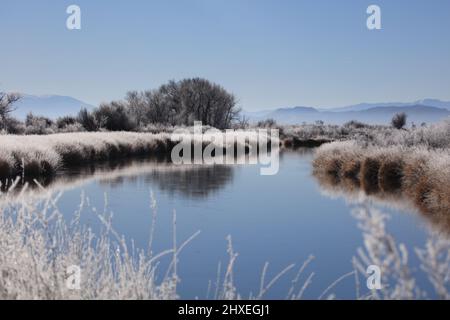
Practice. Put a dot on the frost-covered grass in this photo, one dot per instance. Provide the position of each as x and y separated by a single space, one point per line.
421 174
38 247
430 136
44 155
398 277
41 155
413 162
436 136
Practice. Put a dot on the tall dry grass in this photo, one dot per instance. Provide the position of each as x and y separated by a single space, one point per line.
422 174
38 247
44 155
398 277
35 155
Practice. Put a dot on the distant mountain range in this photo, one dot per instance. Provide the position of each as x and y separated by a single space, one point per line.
364 106
51 106
426 110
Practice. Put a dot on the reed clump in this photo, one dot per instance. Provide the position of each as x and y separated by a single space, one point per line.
369 174
421 174
338 164
391 175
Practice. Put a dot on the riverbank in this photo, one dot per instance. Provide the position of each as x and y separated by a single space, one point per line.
31 156
44 155
420 174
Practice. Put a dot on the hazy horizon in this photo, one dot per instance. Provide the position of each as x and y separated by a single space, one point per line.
44 95
270 54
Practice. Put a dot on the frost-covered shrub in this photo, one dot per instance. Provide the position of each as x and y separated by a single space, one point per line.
63 122
399 120
38 125
14 126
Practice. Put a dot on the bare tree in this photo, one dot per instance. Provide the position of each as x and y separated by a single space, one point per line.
7 101
137 106
242 122
87 120
183 102
207 102
114 116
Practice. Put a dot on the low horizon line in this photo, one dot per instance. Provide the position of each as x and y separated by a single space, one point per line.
44 95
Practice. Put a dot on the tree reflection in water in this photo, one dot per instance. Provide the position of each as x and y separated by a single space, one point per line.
351 191
191 181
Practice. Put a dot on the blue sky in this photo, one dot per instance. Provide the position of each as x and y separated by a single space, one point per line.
270 53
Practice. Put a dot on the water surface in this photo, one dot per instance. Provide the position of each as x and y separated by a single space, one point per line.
281 219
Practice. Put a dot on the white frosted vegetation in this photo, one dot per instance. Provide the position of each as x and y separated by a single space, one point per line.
45 154
415 163
37 246
36 155
431 136
398 277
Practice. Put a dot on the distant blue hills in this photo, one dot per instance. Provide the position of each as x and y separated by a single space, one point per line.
426 110
51 106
